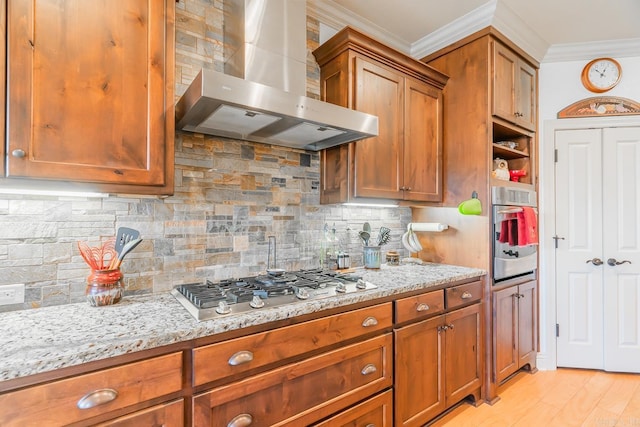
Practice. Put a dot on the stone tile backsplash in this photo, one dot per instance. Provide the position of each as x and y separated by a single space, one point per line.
229 197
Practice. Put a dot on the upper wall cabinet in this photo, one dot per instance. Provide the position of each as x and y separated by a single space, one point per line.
514 88
404 162
90 94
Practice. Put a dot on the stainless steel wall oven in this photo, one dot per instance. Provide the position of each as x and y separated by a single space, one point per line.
512 256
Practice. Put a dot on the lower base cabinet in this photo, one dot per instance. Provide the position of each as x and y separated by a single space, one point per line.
168 414
438 361
514 329
301 393
375 412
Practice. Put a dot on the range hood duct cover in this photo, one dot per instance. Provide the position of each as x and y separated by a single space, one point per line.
270 107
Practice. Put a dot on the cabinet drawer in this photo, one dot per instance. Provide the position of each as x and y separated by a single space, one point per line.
57 403
166 415
419 306
217 361
458 296
377 411
301 393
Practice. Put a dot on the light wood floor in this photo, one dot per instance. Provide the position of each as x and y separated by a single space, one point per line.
566 397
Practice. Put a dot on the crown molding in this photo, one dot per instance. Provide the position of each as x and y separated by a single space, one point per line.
517 30
589 50
462 27
494 13
337 17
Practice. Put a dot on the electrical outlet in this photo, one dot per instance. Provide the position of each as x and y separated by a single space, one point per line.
12 294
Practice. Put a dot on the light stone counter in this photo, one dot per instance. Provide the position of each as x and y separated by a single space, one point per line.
48 338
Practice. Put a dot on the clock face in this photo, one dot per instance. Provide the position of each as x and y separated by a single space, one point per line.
601 75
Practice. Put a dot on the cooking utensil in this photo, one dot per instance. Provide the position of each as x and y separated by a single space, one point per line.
366 227
365 236
384 236
124 236
98 257
128 247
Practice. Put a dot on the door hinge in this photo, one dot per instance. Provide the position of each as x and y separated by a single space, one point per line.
555 155
557 330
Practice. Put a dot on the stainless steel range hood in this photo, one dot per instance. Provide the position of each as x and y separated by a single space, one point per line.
260 96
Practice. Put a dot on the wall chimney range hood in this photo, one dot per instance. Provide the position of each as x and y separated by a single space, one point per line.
260 97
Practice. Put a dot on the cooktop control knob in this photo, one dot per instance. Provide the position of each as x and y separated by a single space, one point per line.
256 302
223 308
302 293
341 287
361 284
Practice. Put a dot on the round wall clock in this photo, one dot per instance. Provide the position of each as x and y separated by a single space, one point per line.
601 74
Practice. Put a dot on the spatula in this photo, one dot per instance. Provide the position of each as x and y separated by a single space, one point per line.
124 236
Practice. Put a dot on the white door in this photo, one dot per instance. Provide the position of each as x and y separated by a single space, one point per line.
579 223
621 198
598 214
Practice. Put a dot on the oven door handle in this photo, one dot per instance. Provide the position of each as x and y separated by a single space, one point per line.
510 211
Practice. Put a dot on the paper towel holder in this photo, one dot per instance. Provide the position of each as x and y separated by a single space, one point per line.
427 226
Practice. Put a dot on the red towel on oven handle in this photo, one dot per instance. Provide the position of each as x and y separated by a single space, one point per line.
527 226
509 232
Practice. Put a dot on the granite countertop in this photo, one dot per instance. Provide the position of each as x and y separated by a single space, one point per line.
48 338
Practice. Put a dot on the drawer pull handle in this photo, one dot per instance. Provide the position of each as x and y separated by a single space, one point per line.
370 425
466 295
96 398
241 420
422 307
240 358
370 321
369 369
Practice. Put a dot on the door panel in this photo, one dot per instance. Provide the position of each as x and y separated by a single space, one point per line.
621 160
379 160
579 221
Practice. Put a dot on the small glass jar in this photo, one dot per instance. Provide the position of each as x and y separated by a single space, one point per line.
104 287
393 258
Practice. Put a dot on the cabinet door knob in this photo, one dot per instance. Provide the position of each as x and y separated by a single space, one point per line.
450 326
422 307
241 420
241 357
19 153
370 321
369 369
96 398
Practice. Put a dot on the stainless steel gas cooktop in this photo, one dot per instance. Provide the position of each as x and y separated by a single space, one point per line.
209 300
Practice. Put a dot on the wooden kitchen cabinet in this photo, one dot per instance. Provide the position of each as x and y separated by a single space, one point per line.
165 415
374 412
101 393
90 95
404 162
514 88
438 361
218 361
515 332
301 393
493 91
